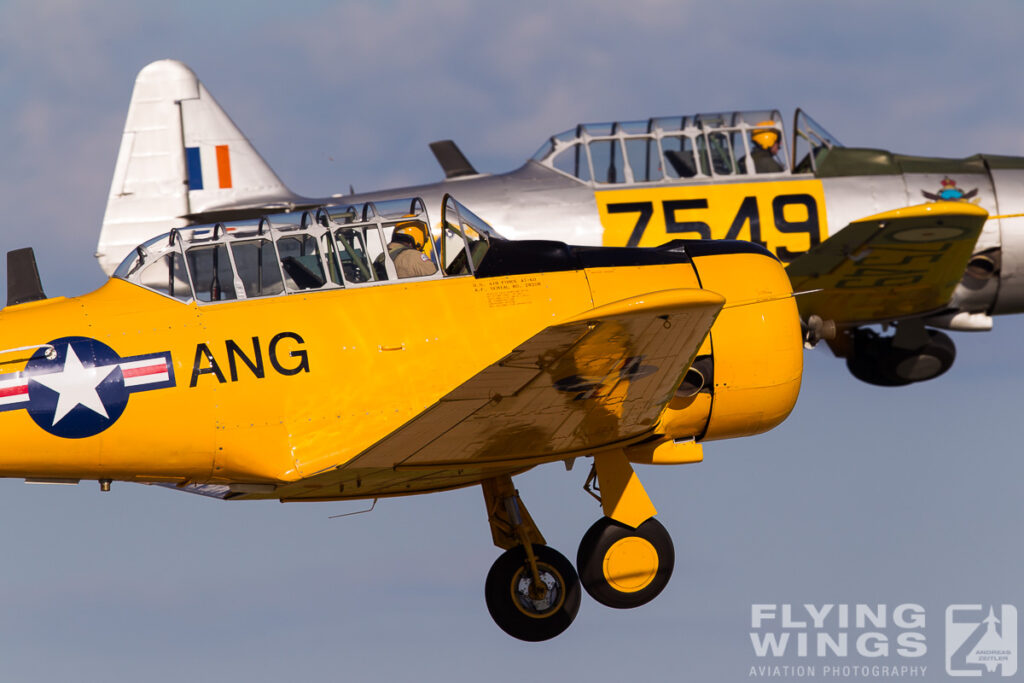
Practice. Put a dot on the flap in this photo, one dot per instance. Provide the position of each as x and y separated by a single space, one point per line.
896 264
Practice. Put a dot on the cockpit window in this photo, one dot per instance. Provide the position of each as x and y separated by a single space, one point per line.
465 238
477 234
738 143
567 135
702 154
547 148
679 161
355 265
257 265
811 142
633 127
666 149
410 248
300 261
454 245
573 160
332 257
375 252
212 276
331 248
669 123
644 159
763 136
606 155
598 129
167 275
721 154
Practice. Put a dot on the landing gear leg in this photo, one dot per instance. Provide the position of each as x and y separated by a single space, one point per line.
626 558
532 591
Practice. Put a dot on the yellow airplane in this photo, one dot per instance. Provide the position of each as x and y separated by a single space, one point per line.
922 243
344 353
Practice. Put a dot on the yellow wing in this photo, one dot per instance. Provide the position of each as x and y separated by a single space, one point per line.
600 379
893 265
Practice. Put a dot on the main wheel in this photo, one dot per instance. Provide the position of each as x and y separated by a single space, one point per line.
928 362
623 567
876 361
516 604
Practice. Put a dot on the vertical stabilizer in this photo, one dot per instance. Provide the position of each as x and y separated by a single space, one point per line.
180 155
23 284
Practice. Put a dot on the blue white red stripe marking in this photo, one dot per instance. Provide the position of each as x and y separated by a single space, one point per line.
150 372
218 157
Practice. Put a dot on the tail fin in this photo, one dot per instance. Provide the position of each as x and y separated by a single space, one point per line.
181 156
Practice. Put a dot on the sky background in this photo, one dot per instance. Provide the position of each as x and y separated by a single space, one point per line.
865 495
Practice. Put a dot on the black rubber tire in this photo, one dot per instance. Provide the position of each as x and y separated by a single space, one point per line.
938 354
511 609
871 360
600 538
874 359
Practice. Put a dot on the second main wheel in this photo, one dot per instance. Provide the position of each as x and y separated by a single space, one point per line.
871 359
874 359
928 362
528 611
622 567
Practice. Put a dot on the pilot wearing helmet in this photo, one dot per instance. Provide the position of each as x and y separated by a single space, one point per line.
765 145
406 250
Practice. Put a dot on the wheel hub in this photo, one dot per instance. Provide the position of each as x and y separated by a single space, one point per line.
630 564
537 601
918 368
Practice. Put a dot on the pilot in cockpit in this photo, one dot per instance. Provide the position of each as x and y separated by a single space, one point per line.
406 250
764 146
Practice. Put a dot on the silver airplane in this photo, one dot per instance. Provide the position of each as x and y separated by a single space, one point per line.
916 244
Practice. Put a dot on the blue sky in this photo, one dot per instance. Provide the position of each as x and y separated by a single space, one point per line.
863 495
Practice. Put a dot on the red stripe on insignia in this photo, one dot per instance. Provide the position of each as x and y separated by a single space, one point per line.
147 370
14 391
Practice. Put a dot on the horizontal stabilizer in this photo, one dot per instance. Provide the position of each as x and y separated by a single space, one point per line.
23 284
453 162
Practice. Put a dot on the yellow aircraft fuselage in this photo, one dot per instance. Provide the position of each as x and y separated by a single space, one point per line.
276 389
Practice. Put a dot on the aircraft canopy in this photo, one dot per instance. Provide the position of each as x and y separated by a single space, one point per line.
335 246
669 148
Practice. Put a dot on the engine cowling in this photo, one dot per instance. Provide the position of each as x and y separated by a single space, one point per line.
752 362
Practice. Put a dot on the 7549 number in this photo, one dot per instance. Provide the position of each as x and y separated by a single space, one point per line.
674 210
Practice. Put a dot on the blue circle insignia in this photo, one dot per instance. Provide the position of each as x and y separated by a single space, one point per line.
79 390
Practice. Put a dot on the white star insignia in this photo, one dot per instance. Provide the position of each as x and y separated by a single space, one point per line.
76 386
